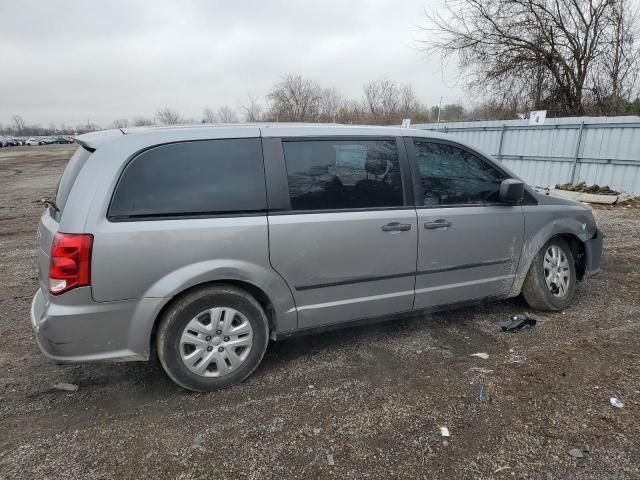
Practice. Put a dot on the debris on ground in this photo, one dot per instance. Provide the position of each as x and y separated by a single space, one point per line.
330 460
481 355
615 402
198 441
627 200
593 194
66 387
518 322
582 187
513 358
481 394
445 432
577 453
589 198
481 370
502 469
623 197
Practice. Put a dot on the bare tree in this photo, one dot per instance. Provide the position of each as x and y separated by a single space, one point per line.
295 99
142 122
208 116
616 77
452 113
545 51
494 109
353 111
408 101
18 124
330 105
382 99
252 109
167 116
372 98
120 123
226 114
88 126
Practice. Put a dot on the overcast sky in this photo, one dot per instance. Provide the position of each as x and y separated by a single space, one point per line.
73 61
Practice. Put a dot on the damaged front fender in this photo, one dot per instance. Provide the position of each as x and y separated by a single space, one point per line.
543 222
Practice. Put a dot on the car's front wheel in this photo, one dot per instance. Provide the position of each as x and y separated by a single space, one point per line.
212 338
551 281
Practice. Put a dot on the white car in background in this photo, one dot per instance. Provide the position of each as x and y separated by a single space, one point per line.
34 141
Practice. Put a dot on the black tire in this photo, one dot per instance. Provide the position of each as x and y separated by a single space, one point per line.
535 290
191 305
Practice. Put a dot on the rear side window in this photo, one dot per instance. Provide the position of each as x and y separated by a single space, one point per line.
453 176
343 174
192 178
76 162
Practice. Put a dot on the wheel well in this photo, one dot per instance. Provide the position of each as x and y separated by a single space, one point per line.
251 289
578 251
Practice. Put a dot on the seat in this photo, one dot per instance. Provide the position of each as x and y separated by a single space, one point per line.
376 191
322 190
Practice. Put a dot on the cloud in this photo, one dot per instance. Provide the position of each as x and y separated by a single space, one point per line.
74 61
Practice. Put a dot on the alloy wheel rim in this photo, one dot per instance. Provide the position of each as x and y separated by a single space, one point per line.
216 342
557 273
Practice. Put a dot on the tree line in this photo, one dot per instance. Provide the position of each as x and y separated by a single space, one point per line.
295 98
19 127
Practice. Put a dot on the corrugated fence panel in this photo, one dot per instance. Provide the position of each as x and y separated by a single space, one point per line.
608 149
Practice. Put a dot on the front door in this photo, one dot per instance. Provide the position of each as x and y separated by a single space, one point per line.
347 243
469 243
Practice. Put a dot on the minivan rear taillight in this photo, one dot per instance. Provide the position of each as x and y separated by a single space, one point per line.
70 265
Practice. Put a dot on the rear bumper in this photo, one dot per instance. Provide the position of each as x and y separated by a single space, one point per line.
76 330
593 254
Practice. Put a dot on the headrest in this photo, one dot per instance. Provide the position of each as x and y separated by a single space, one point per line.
376 163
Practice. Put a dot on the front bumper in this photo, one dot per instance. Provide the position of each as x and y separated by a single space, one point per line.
77 329
593 254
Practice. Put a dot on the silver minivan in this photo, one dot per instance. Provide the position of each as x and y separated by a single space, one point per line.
202 243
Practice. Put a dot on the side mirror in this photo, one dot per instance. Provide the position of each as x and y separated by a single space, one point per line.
511 191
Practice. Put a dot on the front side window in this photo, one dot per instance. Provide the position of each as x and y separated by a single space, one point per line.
451 175
343 174
193 178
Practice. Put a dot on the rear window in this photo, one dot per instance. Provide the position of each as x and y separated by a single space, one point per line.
192 178
69 176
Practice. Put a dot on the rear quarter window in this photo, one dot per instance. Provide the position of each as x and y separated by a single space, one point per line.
77 161
192 178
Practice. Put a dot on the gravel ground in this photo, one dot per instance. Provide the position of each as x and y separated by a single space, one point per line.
360 403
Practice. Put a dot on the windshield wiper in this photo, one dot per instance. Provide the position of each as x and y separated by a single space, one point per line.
49 203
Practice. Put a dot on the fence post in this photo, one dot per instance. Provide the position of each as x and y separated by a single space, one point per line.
577 154
504 128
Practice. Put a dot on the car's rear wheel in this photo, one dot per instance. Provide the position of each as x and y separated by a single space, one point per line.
551 281
212 338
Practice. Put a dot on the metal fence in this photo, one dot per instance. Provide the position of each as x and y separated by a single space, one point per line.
596 150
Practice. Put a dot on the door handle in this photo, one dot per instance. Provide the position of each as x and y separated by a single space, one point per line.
440 223
396 227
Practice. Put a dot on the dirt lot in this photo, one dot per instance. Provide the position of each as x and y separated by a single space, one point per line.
371 399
